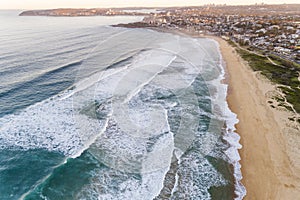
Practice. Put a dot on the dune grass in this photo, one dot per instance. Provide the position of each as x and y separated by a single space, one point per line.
286 73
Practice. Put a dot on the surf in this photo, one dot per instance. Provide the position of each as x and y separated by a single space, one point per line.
129 112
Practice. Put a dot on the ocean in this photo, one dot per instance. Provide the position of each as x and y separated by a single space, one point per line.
90 111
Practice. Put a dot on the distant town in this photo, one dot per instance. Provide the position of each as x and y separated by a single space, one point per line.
70 12
271 29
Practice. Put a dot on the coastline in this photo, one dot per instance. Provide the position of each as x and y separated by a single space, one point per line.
270 156
269 170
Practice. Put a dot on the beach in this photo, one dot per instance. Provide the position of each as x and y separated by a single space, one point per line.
270 153
92 111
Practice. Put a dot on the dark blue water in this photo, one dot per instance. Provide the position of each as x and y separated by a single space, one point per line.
39 56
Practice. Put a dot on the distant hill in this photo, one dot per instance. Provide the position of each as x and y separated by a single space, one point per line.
71 12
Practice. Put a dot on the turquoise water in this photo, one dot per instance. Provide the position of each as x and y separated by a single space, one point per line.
20 170
89 111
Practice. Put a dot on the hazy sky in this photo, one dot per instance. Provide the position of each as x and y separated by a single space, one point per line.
36 4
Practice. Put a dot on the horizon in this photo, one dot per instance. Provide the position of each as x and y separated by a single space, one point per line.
56 4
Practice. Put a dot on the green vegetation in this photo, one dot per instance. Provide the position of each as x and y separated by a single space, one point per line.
232 43
284 62
286 73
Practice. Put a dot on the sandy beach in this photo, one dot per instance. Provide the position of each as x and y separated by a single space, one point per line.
270 156
271 144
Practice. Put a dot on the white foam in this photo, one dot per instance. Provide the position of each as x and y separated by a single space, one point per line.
233 139
57 124
196 177
51 124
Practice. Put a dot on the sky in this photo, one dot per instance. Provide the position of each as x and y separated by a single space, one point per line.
44 4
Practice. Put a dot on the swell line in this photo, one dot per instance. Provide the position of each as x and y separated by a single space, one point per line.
44 76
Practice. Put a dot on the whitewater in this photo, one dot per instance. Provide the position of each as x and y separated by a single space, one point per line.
98 112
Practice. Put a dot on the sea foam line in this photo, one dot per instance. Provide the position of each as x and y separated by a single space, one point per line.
231 136
138 89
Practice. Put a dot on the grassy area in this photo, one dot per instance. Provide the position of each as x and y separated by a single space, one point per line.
285 73
284 62
232 43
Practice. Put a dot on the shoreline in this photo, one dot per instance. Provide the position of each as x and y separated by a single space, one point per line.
270 160
266 164
230 135
270 156
270 167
